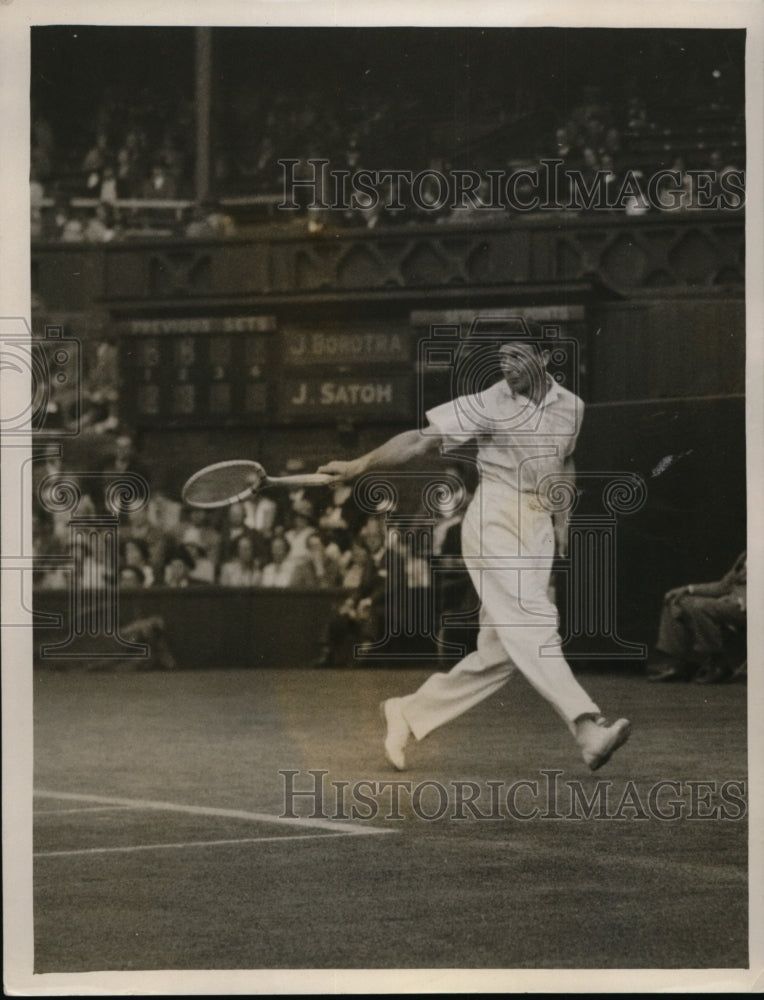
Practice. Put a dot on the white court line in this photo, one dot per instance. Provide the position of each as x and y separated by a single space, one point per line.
186 843
81 809
349 829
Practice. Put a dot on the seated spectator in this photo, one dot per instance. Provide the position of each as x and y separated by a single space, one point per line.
131 578
260 514
159 185
72 231
198 531
95 161
139 527
209 221
134 554
233 529
695 626
101 228
675 197
101 388
283 570
128 169
355 566
333 515
636 202
325 568
360 617
57 578
179 567
107 193
303 526
205 570
90 572
245 570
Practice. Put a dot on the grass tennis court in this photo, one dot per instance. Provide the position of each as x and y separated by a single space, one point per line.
160 841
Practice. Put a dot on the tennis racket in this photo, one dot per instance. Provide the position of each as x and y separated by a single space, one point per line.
226 483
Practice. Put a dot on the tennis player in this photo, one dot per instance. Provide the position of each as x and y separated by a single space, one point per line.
526 426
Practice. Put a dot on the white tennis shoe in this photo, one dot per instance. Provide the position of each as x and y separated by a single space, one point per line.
397 732
599 741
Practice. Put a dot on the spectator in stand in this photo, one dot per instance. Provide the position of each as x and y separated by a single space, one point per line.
590 166
339 510
163 512
88 567
158 542
134 554
95 162
101 227
303 527
73 231
159 185
205 570
611 180
209 221
260 514
245 570
675 197
234 528
107 192
325 569
101 387
124 460
359 618
131 578
283 570
179 567
130 165
47 543
354 566
637 203
198 531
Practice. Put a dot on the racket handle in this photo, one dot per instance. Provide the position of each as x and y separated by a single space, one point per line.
300 479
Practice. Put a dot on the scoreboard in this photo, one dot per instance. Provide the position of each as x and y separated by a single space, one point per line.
239 370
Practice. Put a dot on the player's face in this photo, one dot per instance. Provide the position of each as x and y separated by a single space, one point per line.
523 369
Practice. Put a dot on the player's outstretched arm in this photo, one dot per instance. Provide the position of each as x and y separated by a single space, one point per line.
397 451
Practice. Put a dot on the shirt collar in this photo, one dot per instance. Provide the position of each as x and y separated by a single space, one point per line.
553 392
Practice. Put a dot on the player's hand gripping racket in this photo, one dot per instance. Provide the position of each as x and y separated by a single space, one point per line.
226 483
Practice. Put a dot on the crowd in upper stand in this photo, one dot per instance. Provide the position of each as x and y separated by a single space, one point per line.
144 150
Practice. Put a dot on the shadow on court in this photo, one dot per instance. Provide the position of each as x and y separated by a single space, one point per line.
161 840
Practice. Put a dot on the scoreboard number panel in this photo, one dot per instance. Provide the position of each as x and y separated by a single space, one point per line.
196 372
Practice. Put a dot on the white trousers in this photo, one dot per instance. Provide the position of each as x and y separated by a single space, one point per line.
518 622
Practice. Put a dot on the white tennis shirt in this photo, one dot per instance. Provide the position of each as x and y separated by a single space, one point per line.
519 442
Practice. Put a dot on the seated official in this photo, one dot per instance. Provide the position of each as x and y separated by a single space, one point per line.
696 624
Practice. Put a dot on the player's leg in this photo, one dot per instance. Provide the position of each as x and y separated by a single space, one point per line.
444 696
517 602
